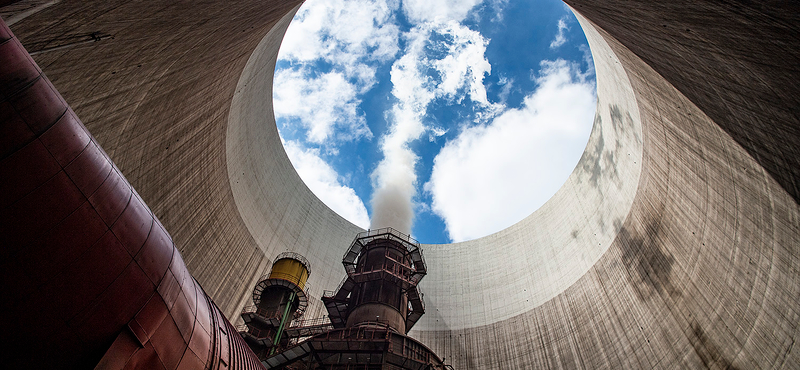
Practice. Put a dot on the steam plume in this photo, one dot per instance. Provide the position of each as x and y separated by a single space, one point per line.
417 80
395 178
391 207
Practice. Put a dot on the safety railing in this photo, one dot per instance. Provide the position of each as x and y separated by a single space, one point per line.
295 256
266 314
288 278
411 244
409 349
332 293
302 295
260 334
399 271
311 322
357 334
375 323
384 232
242 328
309 327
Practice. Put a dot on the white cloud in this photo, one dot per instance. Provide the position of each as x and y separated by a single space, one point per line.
464 64
435 132
560 37
507 85
325 183
342 32
421 11
418 78
326 106
497 7
491 176
351 36
587 59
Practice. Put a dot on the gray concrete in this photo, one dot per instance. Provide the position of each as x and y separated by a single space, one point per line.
20 10
673 244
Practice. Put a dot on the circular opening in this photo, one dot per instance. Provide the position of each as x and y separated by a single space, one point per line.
465 118
557 243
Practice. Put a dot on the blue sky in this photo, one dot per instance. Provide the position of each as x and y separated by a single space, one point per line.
450 119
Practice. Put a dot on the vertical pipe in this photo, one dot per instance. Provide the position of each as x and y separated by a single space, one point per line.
282 324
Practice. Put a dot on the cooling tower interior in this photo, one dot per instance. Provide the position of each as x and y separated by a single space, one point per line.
674 243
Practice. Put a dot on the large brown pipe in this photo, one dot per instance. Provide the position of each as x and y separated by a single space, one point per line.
88 275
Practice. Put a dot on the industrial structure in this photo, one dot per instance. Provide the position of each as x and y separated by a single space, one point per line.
383 268
369 314
675 243
278 299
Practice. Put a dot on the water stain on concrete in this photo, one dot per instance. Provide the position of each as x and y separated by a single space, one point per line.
648 265
708 351
599 160
590 160
623 123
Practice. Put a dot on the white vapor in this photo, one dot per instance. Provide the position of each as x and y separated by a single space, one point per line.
560 37
324 182
417 81
489 177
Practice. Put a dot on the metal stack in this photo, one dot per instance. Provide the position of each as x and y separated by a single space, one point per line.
278 298
370 312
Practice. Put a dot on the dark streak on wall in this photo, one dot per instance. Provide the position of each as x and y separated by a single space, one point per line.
648 265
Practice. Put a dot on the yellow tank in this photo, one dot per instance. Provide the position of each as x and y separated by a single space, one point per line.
290 270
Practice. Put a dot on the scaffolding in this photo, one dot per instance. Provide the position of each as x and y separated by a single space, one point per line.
370 347
369 313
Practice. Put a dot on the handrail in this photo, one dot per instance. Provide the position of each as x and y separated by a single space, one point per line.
262 312
258 290
387 230
388 233
294 256
403 272
358 333
310 322
242 327
265 277
332 293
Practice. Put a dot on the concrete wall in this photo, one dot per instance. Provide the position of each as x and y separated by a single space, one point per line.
157 97
701 273
507 273
682 254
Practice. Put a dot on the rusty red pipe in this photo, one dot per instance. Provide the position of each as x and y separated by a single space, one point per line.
88 275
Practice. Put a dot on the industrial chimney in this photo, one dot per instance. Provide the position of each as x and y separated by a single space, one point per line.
278 299
369 314
383 269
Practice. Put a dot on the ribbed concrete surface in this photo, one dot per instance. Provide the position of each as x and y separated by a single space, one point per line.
695 258
702 273
529 263
156 96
